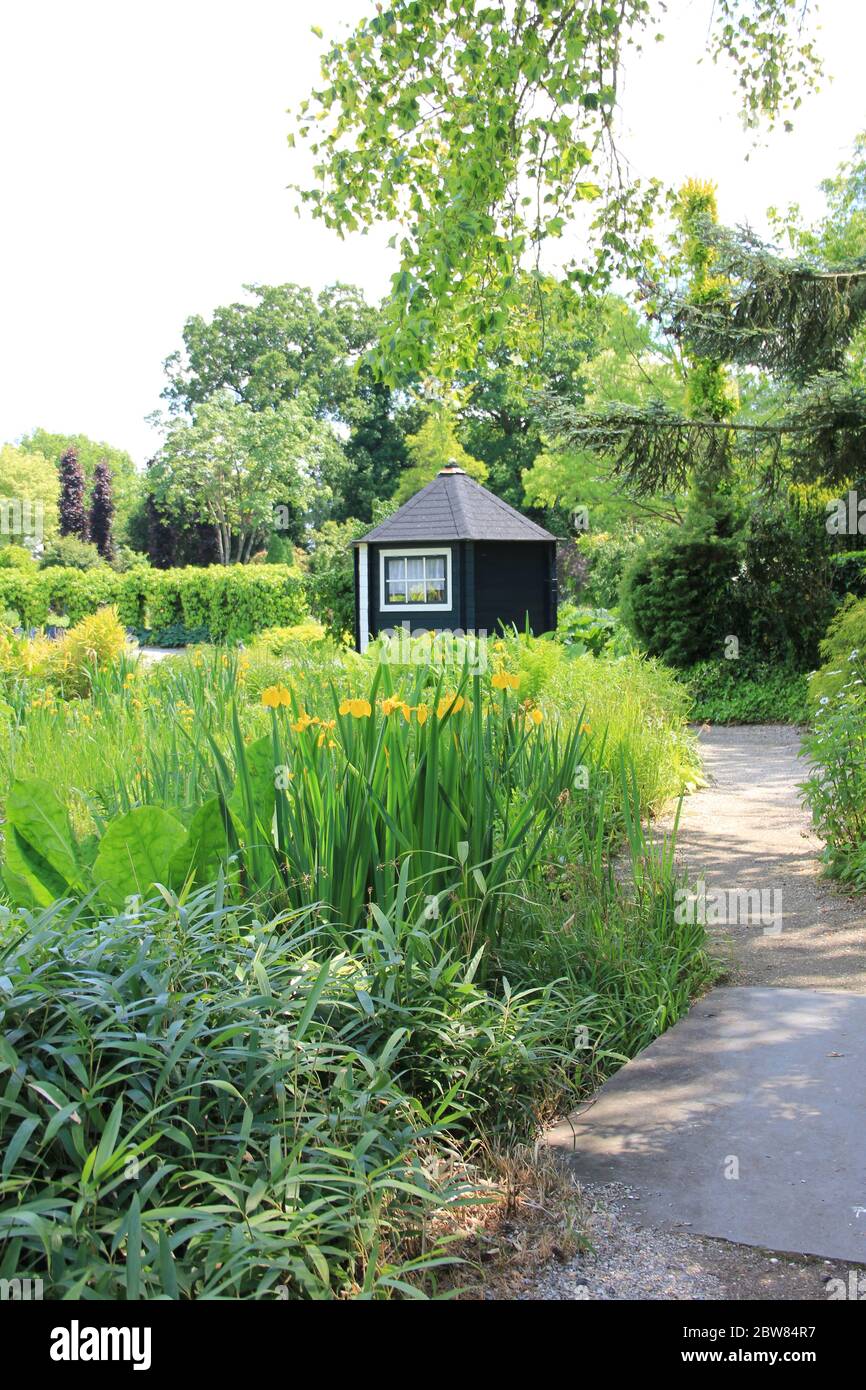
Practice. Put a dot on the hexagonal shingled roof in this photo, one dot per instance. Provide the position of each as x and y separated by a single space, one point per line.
455 508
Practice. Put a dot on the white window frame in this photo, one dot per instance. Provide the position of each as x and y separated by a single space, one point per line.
416 554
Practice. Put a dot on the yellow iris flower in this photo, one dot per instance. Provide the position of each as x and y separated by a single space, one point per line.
359 709
275 695
448 702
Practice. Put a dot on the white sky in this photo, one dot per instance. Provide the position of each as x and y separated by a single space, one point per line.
145 165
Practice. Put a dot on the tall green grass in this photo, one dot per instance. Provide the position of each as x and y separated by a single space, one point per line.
641 707
443 788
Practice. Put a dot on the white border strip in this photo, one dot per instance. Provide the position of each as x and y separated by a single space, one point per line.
363 600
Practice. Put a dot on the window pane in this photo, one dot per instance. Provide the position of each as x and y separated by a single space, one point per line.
436 579
415 578
395 580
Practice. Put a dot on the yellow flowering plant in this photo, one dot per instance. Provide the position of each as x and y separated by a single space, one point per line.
432 773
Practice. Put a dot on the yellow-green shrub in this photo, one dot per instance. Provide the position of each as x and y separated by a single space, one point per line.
23 658
93 644
281 640
639 709
846 634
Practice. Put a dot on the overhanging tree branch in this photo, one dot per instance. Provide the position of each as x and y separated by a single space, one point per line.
655 449
790 317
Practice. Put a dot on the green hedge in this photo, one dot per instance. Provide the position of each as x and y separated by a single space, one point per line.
231 601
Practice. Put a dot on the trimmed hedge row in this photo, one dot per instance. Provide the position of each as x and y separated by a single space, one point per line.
231 601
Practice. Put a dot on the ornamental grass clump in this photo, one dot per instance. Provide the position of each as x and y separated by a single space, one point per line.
835 789
229 1125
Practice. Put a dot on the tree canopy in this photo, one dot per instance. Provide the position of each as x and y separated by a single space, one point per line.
796 323
233 466
435 445
127 482
629 368
480 130
29 477
285 343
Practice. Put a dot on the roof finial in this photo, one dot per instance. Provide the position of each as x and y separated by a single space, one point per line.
451 467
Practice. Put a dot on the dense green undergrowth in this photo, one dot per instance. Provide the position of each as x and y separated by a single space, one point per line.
295 936
728 692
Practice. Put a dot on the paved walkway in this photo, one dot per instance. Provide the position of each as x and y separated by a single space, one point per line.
774 1102
150 655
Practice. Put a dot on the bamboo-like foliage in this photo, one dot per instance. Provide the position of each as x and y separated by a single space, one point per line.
224 1129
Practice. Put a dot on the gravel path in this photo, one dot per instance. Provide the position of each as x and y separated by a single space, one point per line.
628 1260
150 655
745 830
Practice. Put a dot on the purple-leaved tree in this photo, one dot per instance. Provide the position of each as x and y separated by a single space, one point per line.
73 516
102 510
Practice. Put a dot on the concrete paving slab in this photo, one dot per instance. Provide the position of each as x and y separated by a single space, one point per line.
769 1084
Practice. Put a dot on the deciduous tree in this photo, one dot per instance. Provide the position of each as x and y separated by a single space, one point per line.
73 514
243 471
102 511
482 129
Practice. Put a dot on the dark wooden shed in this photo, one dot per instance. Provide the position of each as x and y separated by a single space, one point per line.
454 557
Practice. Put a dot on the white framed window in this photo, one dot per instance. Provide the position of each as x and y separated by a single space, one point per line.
415 579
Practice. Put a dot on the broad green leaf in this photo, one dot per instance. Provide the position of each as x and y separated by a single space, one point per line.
29 877
39 816
259 759
135 853
205 847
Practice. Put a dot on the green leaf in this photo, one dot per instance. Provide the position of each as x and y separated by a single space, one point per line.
18 1143
133 1250
108 1138
166 1265
39 817
135 853
259 762
206 846
29 878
